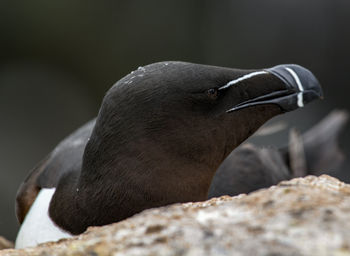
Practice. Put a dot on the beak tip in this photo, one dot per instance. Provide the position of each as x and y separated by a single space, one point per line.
299 79
299 87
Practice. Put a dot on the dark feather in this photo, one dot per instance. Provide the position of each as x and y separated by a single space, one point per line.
249 167
67 157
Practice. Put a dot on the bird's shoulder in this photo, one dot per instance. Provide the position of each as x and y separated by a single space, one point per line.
66 157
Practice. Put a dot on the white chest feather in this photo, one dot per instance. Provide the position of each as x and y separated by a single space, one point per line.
37 226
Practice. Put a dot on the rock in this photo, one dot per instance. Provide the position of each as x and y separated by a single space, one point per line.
4 243
303 216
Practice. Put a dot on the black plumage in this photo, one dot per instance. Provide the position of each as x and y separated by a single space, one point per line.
249 167
161 133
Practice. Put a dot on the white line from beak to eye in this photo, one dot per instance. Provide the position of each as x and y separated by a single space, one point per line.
247 76
300 86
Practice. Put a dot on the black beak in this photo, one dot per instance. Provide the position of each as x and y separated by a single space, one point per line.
301 87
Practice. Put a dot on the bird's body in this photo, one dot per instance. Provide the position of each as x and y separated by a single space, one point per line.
249 167
161 133
38 226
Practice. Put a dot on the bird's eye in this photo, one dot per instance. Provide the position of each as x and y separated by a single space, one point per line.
212 93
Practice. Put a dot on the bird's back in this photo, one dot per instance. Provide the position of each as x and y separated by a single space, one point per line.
66 157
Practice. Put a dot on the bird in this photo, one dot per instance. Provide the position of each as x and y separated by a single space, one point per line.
250 167
160 134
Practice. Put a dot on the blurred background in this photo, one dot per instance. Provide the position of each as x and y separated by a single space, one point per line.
58 58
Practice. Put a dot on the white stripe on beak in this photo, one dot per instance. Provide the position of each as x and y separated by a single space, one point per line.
247 76
300 86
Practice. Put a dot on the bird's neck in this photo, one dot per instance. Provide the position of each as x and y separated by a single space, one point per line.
108 190
147 170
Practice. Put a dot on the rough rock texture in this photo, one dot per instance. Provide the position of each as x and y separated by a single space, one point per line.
304 216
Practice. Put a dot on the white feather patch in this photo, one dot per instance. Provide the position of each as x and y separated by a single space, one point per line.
37 226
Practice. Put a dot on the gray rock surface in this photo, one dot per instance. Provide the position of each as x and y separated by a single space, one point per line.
303 216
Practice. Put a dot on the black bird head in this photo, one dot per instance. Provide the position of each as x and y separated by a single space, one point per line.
173 123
